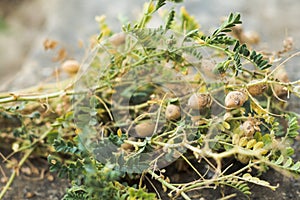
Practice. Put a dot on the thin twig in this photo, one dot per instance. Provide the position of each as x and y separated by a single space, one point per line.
168 185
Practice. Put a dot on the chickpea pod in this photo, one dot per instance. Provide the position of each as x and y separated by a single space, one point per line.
235 99
199 101
172 112
118 39
126 146
257 89
71 67
249 127
282 76
145 129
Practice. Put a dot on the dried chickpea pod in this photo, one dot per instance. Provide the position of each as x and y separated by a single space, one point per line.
199 101
71 67
256 89
288 44
118 39
145 129
198 120
235 99
252 37
126 146
282 76
172 112
249 127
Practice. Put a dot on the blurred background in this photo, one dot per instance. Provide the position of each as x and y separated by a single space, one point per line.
25 25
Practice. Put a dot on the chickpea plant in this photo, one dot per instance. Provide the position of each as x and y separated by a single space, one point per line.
148 99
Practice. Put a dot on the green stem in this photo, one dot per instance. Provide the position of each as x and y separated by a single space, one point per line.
16 97
146 15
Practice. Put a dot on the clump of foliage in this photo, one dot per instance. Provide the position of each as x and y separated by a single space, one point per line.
117 126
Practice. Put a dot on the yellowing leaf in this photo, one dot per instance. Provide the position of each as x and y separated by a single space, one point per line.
251 143
258 145
255 106
248 177
243 141
226 125
119 132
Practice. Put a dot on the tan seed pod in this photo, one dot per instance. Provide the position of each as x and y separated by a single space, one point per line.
126 146
235 99
249 128
257 89
172 112
118 39
145 129
288 44
252 37
199 101
71 67
282 76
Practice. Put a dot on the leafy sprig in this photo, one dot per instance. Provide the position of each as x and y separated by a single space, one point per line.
232 20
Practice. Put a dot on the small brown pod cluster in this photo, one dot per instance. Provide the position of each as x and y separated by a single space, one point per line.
127 146
71 67
256 89
172 112
199 101
145 129
282 76
235 99
250 127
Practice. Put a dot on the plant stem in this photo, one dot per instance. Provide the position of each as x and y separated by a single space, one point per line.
16 97
170 186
